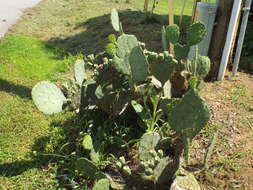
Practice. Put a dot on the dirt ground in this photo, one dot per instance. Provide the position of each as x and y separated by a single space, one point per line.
231 164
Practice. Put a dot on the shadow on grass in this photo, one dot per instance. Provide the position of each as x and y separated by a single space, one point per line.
93 37
15 89
40 156
18 167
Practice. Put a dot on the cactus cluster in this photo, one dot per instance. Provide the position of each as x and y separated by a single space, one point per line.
195 34
158 167
127 74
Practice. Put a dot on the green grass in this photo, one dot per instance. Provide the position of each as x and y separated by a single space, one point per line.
162 7
31 58
23 62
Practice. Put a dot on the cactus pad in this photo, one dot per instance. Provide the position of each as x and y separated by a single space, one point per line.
139 65
102 184
190 115
115 20
48 97
186 181
181 51
125 44
196 33
163 68
87 142
172 33
165 170
79 71
87 167
148 142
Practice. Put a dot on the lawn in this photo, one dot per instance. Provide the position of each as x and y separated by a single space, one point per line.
44 44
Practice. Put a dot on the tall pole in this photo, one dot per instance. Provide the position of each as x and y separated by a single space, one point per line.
171 20
146 5
245 18
194 10
229 40
219 35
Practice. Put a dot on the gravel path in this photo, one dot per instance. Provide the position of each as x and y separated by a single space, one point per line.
10 12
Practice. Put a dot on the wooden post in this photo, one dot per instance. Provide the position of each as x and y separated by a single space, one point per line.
171 19
229 41
194 10
219 35
182 12
146 5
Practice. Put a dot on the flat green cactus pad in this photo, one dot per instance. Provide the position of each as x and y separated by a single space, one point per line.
125 44
172 33
139 65
196 33
162 71
87 167
87 142
165 170
48 97
187 181
102 184
181 51
148 142
115 20
79 71
190 115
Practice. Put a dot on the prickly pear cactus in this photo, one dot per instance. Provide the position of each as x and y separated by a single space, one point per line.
86 167
190 115
102 184
115 20
181 51
79 71
48 97
147 143
138 64
196 33
172 33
